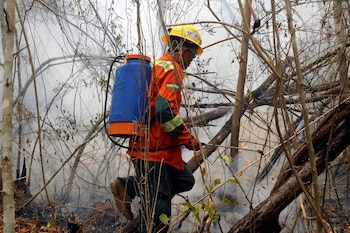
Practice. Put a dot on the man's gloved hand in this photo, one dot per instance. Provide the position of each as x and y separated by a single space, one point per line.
193 144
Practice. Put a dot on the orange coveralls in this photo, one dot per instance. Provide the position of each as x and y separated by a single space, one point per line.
168 132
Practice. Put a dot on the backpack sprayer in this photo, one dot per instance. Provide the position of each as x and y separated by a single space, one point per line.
129 105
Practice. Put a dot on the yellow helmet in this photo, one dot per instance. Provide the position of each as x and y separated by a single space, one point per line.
187 32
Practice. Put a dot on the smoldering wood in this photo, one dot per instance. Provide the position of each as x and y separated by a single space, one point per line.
330 138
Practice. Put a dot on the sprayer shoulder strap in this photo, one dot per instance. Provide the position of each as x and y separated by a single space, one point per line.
153 120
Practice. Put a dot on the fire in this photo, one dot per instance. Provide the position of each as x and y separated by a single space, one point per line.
248 161
221 150
243 146
340 155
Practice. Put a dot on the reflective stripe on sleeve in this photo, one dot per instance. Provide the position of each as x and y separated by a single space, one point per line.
167 65
172 124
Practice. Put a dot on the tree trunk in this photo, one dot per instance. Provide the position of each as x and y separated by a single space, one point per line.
243 61
8 28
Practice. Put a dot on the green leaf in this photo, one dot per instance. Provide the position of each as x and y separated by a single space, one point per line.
214 183
186 207
196 215
227 158
164 219
226 201
233 180
215 216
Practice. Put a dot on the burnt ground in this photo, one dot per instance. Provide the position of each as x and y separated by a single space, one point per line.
336 201
98 219
102 216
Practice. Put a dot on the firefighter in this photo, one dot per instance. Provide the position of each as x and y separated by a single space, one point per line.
160 171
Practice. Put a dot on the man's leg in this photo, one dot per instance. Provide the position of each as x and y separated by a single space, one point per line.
181 180
163 206
171 182
155 193
123 190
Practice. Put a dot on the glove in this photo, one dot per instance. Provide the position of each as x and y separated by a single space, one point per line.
193 144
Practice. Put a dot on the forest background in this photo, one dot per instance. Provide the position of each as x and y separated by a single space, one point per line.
269 97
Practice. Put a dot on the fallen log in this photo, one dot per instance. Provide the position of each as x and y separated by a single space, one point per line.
331 138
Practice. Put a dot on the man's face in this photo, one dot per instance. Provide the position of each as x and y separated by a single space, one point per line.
187 56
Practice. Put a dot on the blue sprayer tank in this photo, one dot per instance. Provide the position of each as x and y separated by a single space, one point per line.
128 112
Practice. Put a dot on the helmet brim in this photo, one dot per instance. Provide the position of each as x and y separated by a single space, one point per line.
199 48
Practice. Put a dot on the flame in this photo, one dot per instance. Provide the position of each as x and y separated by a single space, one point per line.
341 154
248 161
243 146
273 181
221 150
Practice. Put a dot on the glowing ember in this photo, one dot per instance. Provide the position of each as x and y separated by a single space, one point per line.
221 150
248 161
243 146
